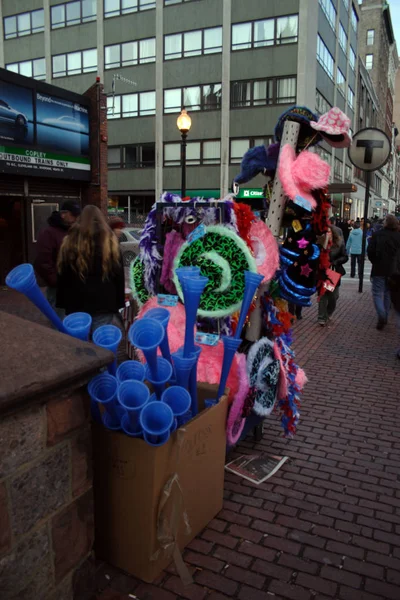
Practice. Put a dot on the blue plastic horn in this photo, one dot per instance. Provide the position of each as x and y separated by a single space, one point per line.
183 367
156 420
252 282
187 272
178 399
162 315
147 335
133 396
130 369
108 337
78 325
230 347
164 373
103 390
22 279
192 288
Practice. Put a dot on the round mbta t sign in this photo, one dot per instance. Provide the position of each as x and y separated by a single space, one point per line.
370 149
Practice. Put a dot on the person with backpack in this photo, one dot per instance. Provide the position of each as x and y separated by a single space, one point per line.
354 249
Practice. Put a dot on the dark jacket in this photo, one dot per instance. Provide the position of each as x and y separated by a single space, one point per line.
383 250
338 257
48 246
93 295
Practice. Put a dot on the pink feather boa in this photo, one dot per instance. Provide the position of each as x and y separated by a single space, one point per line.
265 250
235 423
302 174
210 361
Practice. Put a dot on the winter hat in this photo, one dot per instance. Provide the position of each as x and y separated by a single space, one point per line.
256 160
334 127
304 116
299 175
72 207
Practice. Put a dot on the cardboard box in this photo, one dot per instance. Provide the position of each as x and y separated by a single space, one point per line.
129 479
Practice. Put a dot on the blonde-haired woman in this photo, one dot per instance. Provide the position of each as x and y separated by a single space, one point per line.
90 270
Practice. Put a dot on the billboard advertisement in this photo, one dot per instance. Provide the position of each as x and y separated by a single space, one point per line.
44 130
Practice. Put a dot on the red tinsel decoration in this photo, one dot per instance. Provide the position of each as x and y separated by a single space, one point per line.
244 218
320 221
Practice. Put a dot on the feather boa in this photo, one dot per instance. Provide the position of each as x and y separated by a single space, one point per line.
265 249
236 422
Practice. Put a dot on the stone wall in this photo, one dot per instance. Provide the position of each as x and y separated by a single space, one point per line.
46 503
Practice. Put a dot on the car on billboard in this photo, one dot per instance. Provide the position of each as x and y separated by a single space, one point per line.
8 114
66 122
129 242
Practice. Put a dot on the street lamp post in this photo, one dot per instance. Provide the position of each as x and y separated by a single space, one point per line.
184 123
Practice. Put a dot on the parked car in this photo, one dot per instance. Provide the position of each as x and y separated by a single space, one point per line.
129 242
66 122
10 115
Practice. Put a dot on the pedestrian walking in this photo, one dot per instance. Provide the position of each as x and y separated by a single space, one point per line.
48 247
338 258
90 271
383 251
354 249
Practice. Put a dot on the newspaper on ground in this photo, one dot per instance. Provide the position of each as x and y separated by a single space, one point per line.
256 468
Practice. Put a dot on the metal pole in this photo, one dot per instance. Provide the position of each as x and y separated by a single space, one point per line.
129 209
183 164
364 238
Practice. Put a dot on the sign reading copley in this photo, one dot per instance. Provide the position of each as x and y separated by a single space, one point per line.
369 151
44 131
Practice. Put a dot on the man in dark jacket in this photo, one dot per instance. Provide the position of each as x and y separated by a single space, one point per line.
383 251
49 243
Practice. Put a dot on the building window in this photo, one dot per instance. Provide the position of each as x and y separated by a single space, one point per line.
24 24
378 184
346 4
370 37
73 13
115 8
352 59
205 152
268 32
263 92
348 172
123 106
340 82
130 53
193 43
350 98
326 156
75 63
354 19
198 97
342 38
321 104
238 147
29 68
330 12
325 58
369 61
136 156
337 169
168 2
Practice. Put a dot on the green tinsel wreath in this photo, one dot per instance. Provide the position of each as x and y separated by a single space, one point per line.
139 291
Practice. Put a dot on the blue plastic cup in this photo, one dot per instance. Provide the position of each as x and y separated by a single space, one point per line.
103 390
23 280
231 345
187 272
156 420
179 400
164 373
78 325
183 367
108 337
252 282
130 369
192 288
193 382
162 315
147 335
132 396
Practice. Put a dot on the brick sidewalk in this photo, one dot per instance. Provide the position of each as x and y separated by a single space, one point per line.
327 525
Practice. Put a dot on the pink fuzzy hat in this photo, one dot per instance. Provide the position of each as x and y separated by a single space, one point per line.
302 174
265 249
334 127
